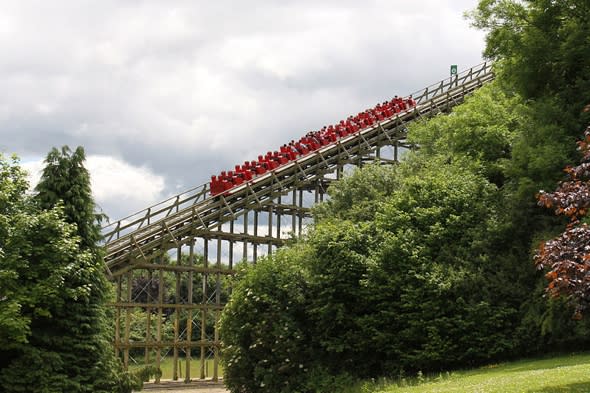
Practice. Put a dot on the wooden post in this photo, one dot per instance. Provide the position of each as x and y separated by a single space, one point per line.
189 319
148 327
294 213
300 213
231 246
217 306
127 322
245 250
316 192
204 309
118 319
255 245
279 219
270 226
159 324
176 315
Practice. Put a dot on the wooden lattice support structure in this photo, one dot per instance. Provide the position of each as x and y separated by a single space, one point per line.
215 233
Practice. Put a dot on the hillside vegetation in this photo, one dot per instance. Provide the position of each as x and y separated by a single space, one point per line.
427 266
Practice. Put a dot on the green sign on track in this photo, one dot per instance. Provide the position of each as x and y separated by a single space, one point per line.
453 69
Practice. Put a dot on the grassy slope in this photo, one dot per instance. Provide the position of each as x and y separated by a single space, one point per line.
569 373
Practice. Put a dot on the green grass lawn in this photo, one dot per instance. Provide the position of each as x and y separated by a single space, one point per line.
570 373
166 367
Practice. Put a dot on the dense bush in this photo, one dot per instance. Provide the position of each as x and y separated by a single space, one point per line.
265 328
434 272
341 297
427 265
413 289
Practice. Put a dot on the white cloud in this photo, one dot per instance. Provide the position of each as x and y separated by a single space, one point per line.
34 169
116 185
190 88
115 181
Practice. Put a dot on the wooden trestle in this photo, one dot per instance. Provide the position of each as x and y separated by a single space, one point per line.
215 233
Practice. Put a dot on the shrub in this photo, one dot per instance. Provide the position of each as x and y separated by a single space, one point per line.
265 328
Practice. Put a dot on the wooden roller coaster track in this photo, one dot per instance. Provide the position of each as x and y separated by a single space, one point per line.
229 227
144 234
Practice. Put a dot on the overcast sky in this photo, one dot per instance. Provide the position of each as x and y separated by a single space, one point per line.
163 94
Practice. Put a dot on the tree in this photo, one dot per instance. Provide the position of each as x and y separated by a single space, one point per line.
340 297
541 52
437 281
265 329
14 324
482 129
65 180
56 265
567 256
356 196
542 45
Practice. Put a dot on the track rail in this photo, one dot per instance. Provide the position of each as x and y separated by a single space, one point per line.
146 233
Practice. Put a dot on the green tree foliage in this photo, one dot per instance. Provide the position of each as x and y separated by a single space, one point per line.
59 286
14 326
426 265
413 288
65 180
340 296
543 45
531 148
482 130
435 280
356 196
542 52
265 329
38 252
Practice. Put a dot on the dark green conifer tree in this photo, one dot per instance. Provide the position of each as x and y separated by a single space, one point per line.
69 345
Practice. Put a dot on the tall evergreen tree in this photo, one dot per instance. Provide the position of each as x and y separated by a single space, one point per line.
69 345
65 180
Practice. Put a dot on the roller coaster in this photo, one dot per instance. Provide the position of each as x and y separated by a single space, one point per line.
199 235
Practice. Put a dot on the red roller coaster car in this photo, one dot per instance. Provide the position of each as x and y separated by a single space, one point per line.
313 140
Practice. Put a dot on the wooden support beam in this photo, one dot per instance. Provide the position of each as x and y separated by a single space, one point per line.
255 249
159 322
189 319
176 315
189 268
148 321
118 319
169 306
203 346
127 321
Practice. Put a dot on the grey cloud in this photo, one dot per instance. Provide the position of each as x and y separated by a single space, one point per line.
189 88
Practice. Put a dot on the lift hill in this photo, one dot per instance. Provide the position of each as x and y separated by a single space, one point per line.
143 234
